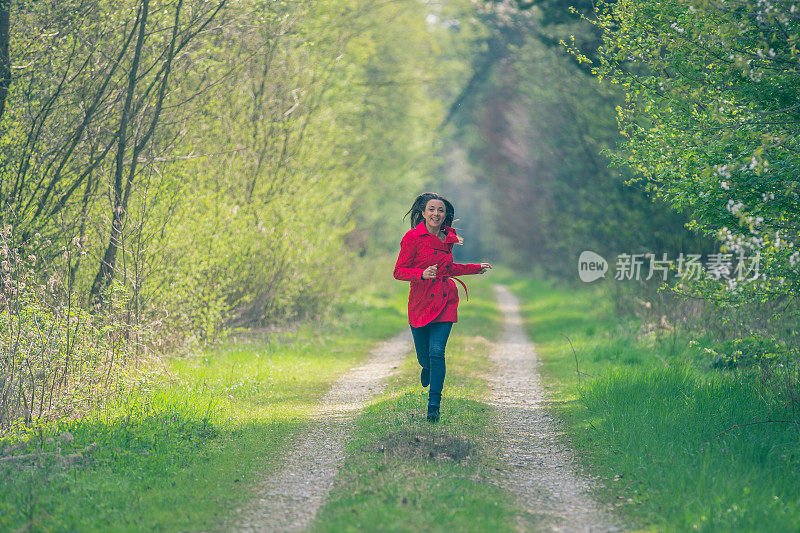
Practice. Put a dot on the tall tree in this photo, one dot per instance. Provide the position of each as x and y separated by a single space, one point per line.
5 56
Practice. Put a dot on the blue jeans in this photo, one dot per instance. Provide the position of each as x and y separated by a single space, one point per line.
429 342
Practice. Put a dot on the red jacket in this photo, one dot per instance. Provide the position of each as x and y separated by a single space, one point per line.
431 300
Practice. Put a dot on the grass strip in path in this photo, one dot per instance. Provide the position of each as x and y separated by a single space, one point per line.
403 473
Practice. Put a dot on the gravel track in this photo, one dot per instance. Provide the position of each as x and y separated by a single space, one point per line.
540 468
289 499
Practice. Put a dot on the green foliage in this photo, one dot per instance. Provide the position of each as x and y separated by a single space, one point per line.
219 163
56 359
747 351
710 123
535 127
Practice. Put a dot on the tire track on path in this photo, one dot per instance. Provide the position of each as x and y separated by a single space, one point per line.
288 500
541 470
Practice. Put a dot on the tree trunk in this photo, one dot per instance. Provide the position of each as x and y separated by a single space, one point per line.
105 273
5 57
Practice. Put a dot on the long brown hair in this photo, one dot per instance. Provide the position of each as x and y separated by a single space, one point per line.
419 206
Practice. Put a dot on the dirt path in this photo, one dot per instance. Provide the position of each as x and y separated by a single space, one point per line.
541 470
289 499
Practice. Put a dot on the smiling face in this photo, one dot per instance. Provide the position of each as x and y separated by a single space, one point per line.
434 214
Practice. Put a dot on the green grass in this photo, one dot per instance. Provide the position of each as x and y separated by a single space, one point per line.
181 452
648 416
648 412
405 474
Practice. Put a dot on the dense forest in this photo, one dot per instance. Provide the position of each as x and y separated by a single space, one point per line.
201 202
170 169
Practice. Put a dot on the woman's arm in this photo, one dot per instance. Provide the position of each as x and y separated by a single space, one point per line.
461 269
403 269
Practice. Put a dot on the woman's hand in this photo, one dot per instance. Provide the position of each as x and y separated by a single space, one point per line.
484 268
430 272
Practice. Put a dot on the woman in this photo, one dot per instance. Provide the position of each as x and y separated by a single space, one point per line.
426 260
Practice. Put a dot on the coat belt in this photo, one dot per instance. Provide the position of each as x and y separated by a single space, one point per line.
466 293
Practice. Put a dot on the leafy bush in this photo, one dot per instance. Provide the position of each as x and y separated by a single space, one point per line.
711 125
55 358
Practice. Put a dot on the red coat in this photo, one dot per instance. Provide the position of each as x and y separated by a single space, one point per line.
431 300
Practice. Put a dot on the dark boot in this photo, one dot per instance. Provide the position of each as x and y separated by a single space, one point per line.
425 376
433 413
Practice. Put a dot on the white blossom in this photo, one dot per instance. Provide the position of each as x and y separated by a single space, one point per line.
734 206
